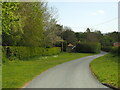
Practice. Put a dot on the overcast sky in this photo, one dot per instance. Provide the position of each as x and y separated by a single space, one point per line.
101 16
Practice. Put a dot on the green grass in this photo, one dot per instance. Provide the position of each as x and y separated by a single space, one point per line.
0 68
105 69
17 73
0 76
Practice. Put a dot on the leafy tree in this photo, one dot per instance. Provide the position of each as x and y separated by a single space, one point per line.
107 41
11 23
33 28
92 37
52 29
69 36
81 37
115 35
88 30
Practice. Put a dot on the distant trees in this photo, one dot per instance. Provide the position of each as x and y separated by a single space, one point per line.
69 36
114 35
106 40
88 30
88 36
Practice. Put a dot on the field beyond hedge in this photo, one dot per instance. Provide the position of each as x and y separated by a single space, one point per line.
17 72
105 69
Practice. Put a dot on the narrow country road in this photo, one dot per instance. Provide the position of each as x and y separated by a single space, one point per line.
72 74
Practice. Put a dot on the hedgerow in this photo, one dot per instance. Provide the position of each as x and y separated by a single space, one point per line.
88 47
22 52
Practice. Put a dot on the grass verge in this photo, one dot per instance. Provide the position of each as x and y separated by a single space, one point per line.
105 68
16 73
0 76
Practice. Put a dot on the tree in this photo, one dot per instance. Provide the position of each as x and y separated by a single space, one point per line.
69 36
115 35
92 37
33 20
11 23
107 41
29 24
52 30
81 36
88 30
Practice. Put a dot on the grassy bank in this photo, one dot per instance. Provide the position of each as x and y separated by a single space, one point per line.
17 73
0 76
105 69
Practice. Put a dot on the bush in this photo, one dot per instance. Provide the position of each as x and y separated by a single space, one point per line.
21 52
106 48
115 50
88 47
51 51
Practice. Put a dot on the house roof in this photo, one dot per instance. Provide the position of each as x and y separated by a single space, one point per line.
70 45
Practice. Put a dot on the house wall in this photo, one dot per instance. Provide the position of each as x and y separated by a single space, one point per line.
116 44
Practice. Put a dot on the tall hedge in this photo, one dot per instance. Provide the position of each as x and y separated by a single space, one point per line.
21 52
88 47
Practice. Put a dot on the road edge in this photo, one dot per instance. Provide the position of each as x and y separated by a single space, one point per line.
95 76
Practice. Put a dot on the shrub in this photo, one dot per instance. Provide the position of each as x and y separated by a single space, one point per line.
21 52
51 51
88 47
106 48
115 50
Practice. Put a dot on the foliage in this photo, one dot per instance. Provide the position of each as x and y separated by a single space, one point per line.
105 69
31 13
80 36
88 30
69 36
11 23
51 51
20 52
88 47
53 35
107 41
106 48
114 35
89 36
52 30
29 24
115 50
63 45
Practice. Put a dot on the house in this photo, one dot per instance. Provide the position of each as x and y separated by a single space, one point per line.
116 44
69 47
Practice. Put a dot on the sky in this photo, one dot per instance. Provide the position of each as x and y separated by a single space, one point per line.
101 16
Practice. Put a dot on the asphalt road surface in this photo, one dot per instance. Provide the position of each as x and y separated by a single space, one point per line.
72 74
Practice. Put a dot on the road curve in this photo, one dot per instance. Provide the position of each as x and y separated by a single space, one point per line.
72 74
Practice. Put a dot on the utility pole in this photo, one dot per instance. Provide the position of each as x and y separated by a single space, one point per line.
62 39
